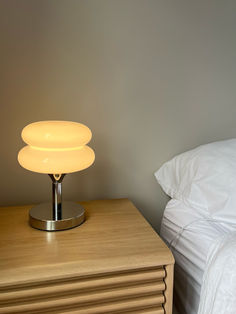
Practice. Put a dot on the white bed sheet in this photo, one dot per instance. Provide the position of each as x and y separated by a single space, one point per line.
190 235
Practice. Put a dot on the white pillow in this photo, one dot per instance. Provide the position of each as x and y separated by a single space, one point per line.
205 178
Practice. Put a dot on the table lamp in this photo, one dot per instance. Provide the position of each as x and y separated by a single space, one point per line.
56 148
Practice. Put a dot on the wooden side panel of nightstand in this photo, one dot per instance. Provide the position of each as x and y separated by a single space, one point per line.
169 278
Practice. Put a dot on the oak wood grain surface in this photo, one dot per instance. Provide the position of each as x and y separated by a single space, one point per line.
114 237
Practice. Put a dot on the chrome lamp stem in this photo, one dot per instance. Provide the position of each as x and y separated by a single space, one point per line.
57 195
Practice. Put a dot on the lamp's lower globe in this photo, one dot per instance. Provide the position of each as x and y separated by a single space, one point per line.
41 216
56 161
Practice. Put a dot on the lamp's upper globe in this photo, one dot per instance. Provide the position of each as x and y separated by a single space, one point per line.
56 147
56 134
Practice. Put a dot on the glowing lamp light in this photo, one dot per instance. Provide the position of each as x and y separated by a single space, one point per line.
56 148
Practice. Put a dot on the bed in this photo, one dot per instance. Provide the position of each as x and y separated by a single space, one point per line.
199 225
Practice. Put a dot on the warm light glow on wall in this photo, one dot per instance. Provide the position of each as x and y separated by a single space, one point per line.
56 147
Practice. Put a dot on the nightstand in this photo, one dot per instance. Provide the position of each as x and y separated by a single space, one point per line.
113 263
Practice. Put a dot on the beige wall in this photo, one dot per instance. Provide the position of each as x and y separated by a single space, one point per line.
151 78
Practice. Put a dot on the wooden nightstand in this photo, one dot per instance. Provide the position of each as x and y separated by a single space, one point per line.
113 263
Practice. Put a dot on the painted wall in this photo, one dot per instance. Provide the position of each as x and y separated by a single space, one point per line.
151 78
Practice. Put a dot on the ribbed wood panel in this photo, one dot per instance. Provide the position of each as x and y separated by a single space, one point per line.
156 310
73 285
118 293
152 310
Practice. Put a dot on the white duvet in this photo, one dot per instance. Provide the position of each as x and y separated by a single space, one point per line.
218 292
205 256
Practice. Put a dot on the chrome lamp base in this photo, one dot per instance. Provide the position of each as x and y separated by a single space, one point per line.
42 216
57 215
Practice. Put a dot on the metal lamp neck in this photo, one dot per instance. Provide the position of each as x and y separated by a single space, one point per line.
57 177
57 195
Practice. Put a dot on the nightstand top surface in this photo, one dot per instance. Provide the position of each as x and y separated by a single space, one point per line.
114 237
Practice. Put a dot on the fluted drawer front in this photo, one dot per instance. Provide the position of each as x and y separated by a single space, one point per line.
75 286
147 310
117 292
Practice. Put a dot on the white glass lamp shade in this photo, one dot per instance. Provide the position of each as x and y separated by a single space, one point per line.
56 147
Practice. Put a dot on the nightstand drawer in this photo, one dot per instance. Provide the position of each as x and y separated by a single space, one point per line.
127 291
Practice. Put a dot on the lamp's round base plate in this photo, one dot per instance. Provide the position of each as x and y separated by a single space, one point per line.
41 217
